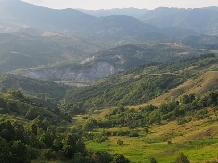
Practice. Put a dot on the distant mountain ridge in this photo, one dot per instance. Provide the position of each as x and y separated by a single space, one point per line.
201 20
134 12
15 13
111 29
18 13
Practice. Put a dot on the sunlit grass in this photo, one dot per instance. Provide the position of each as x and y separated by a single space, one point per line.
190 138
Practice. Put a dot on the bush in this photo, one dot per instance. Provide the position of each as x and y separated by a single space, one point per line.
4 111
133 134
120 159
33 152
182 159
123 133
152 160
101 157
49 154
119 142
99 138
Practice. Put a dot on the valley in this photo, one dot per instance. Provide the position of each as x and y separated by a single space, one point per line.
108 86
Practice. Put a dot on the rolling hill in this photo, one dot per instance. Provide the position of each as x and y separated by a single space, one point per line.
44 92
155 81
108 62
199 85
21 50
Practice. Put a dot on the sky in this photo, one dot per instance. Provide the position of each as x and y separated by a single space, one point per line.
108 4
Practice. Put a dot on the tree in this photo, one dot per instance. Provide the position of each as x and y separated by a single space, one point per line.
88 125
186 99
80 146
3 104
69 147
19 152
182 159
7 131
4 151
31 114
79 158
47 139
120 159
153 160
19 132
101 157
69 150
49 154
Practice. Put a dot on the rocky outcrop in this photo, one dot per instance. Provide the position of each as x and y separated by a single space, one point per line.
87 74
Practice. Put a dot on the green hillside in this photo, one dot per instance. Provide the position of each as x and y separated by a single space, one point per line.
31 133
133 55
91 122
42 92
19 50
180 120
140 84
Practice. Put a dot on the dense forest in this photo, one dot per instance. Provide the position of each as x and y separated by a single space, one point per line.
34 132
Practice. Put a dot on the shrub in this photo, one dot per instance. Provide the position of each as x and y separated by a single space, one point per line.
152 160
133 134
49 154
123 133
119 142
182 159
99 138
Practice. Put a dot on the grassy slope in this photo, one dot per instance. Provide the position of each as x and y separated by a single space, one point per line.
197 139
143 83
200 85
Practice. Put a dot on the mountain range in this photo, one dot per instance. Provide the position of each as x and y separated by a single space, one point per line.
111 61
134 12
149 77
17 15
61 44
201 20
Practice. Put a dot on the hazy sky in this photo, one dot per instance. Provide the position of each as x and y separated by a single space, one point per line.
107 4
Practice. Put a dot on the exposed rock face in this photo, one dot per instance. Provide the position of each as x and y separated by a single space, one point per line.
86 71
97 71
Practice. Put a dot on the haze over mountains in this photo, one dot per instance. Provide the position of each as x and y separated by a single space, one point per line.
149 77
70 37
134 12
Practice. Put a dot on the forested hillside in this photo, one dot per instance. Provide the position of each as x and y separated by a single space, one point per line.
29 132
140 84
149 77
20 50
42 92
111 61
